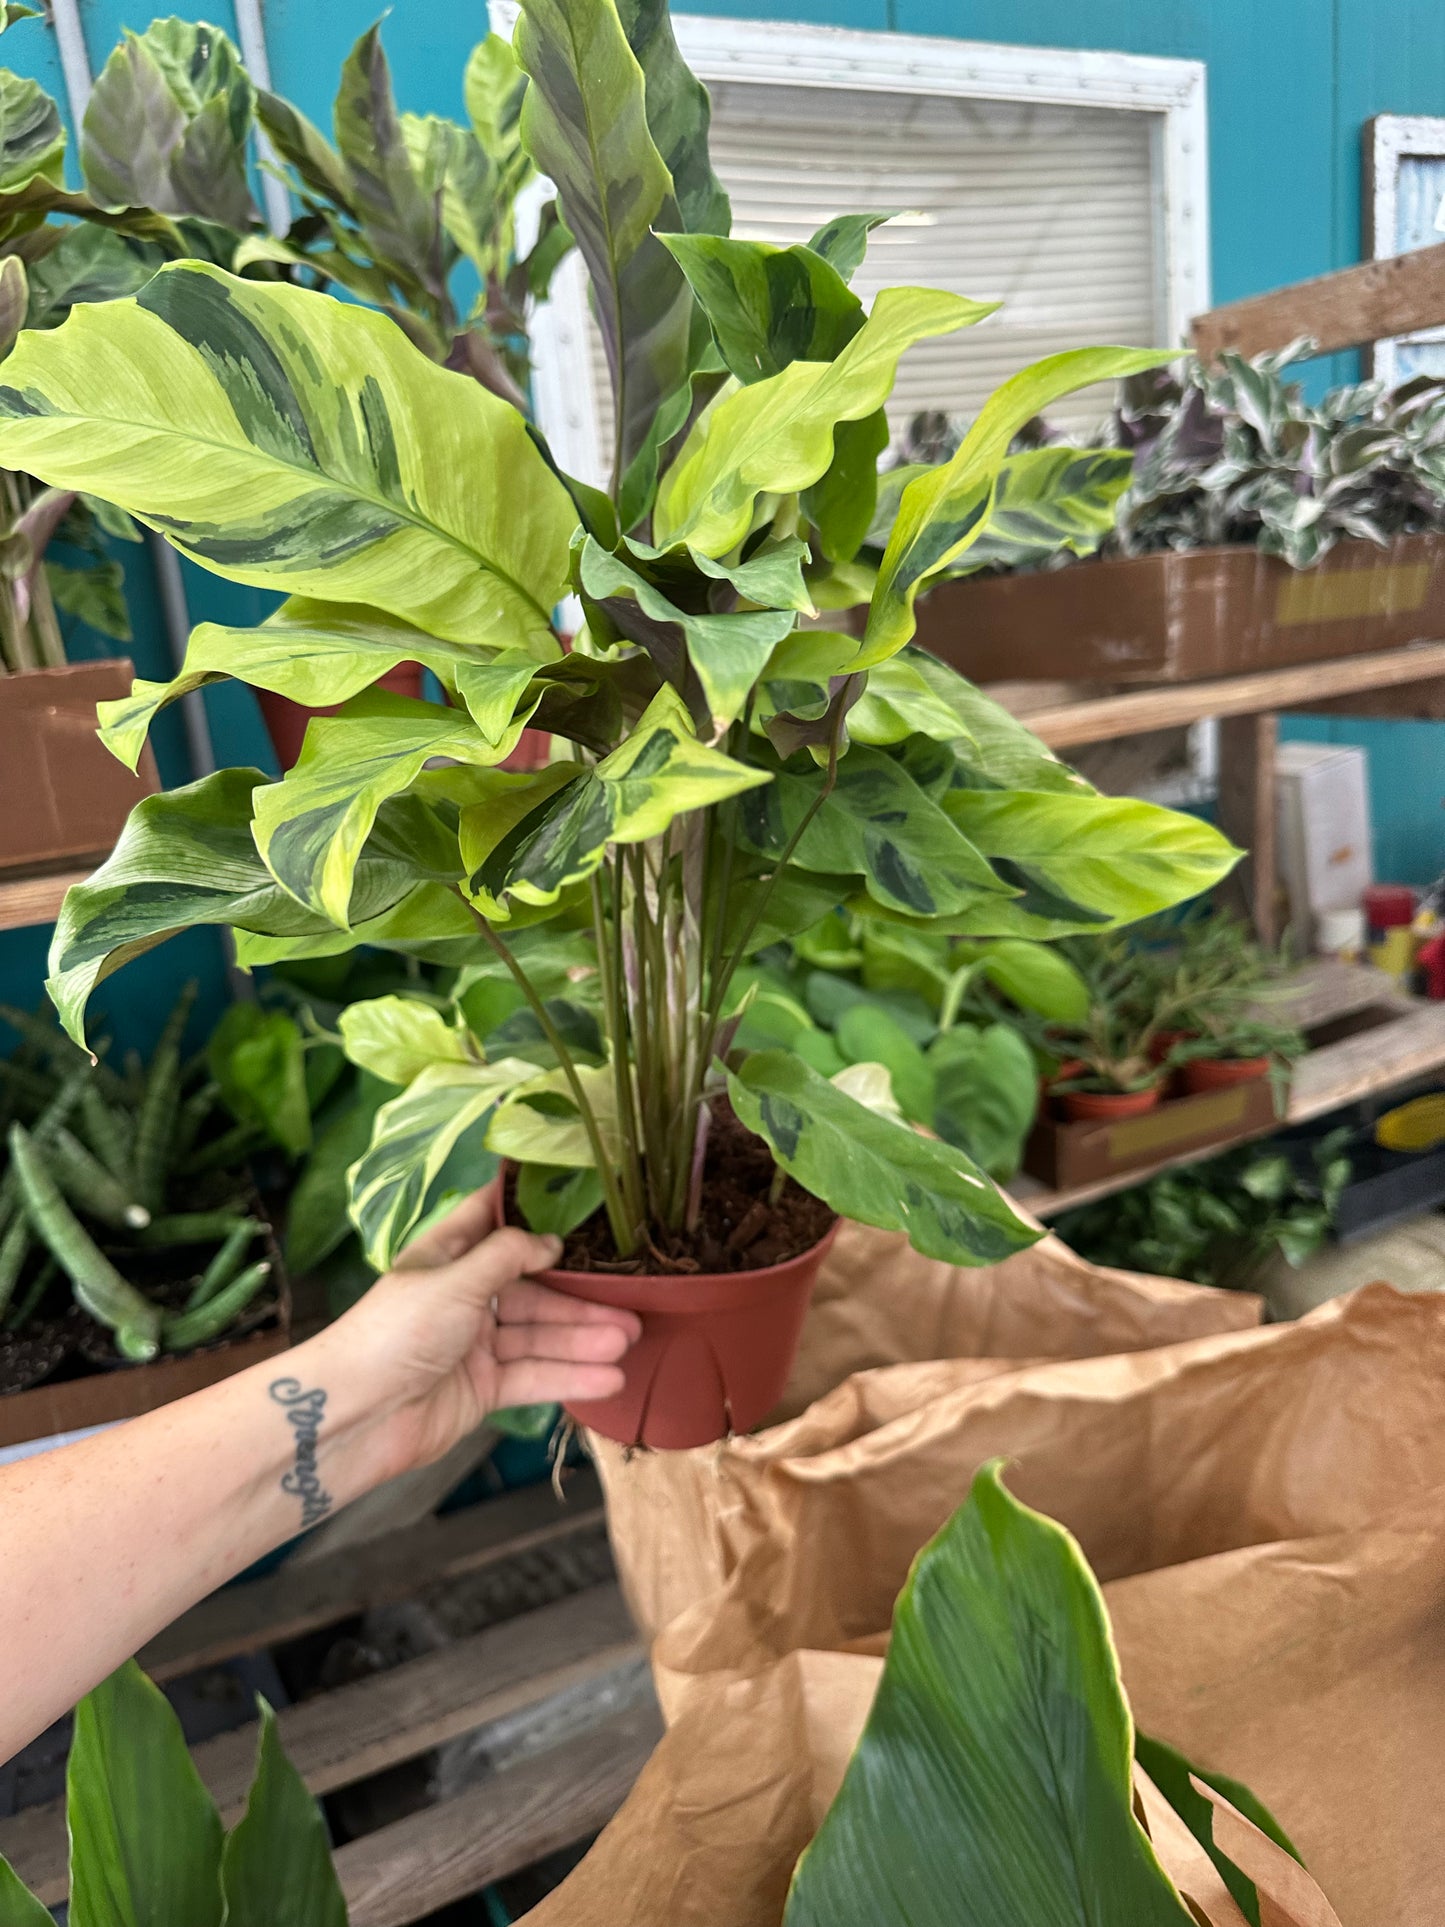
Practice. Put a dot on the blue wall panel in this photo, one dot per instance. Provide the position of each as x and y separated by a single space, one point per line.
1291 83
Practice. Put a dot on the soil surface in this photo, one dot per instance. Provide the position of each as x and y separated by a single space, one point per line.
739 1229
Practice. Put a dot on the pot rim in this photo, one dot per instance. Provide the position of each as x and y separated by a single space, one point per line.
686 1293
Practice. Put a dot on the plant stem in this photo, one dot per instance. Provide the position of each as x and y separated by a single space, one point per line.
718 992
623 1234
615 1015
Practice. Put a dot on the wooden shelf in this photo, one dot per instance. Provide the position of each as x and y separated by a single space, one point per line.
1098 719
32 900
1409 1044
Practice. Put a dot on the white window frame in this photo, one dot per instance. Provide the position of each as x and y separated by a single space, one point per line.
772 53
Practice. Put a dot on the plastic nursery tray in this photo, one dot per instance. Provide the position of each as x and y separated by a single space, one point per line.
1063 1155
1386 1187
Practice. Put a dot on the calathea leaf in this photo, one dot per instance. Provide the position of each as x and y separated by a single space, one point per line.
400 210
899 702
944 510
997 1761
658 773
776 436
86 264
167 123
200 405
299 142
678 114
14 300
319 653
551 1197
540 1123
1047 501
311 826
128 1762
276 1867
1031 975
1123 858
396 1038
878 1171
993 750
492 88
184 858
840 505
876 823
95 595
585 124
726 652
843 241
986 1093
258 1058
767 306
32 134
447 1106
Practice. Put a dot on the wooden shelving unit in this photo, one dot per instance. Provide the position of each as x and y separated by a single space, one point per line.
26 901
1405 1043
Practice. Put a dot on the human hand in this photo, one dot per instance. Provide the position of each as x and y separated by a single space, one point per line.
457 1330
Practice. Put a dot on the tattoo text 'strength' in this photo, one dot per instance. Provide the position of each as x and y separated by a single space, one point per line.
304 1412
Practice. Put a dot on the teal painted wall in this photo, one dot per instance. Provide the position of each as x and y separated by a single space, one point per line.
1291 83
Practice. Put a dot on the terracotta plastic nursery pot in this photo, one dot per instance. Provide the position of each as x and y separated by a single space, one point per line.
715 1351
1087 1107
1222 1073
286 721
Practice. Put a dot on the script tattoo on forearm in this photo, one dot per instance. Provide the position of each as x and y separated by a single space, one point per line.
304 1412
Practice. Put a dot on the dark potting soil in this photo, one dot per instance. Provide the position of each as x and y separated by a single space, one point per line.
739 1229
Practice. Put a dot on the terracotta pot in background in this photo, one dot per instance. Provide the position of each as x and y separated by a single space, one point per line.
1222 1073
715 1352
286 721
63 797
1165 1042
1087 1107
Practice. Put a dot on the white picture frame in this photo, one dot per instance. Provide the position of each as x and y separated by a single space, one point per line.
1404 208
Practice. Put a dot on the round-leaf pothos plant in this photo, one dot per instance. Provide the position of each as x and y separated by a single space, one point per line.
726 769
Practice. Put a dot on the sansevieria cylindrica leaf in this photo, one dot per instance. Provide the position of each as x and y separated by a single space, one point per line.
286 439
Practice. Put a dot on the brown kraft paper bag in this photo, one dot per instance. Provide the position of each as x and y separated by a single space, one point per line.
1266 1509
879 1304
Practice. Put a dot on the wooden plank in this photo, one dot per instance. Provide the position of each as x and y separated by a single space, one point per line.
1247 817
1346 309
297 1600
1368 1063
1323 989
1101 718
408 1870
340 1737
30 900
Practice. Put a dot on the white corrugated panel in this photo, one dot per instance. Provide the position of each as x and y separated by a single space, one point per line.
1047 208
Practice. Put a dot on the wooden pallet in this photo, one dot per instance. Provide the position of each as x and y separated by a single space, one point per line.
1406 1043
565 1683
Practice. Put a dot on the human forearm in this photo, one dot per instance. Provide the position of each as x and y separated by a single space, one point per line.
106 1541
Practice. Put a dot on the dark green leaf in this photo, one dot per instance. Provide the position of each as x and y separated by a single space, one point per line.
399 209
875 1170
995 1770
987 1094
1171 1774
32 135
767 306
276 1870
129 1765
678 114
259 1060
555 1198
877 823
843 241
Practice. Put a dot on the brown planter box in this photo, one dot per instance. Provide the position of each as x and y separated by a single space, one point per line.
1183 617
127 1392
1065 1155
63 796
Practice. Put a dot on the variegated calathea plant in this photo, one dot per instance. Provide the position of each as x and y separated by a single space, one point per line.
726 769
